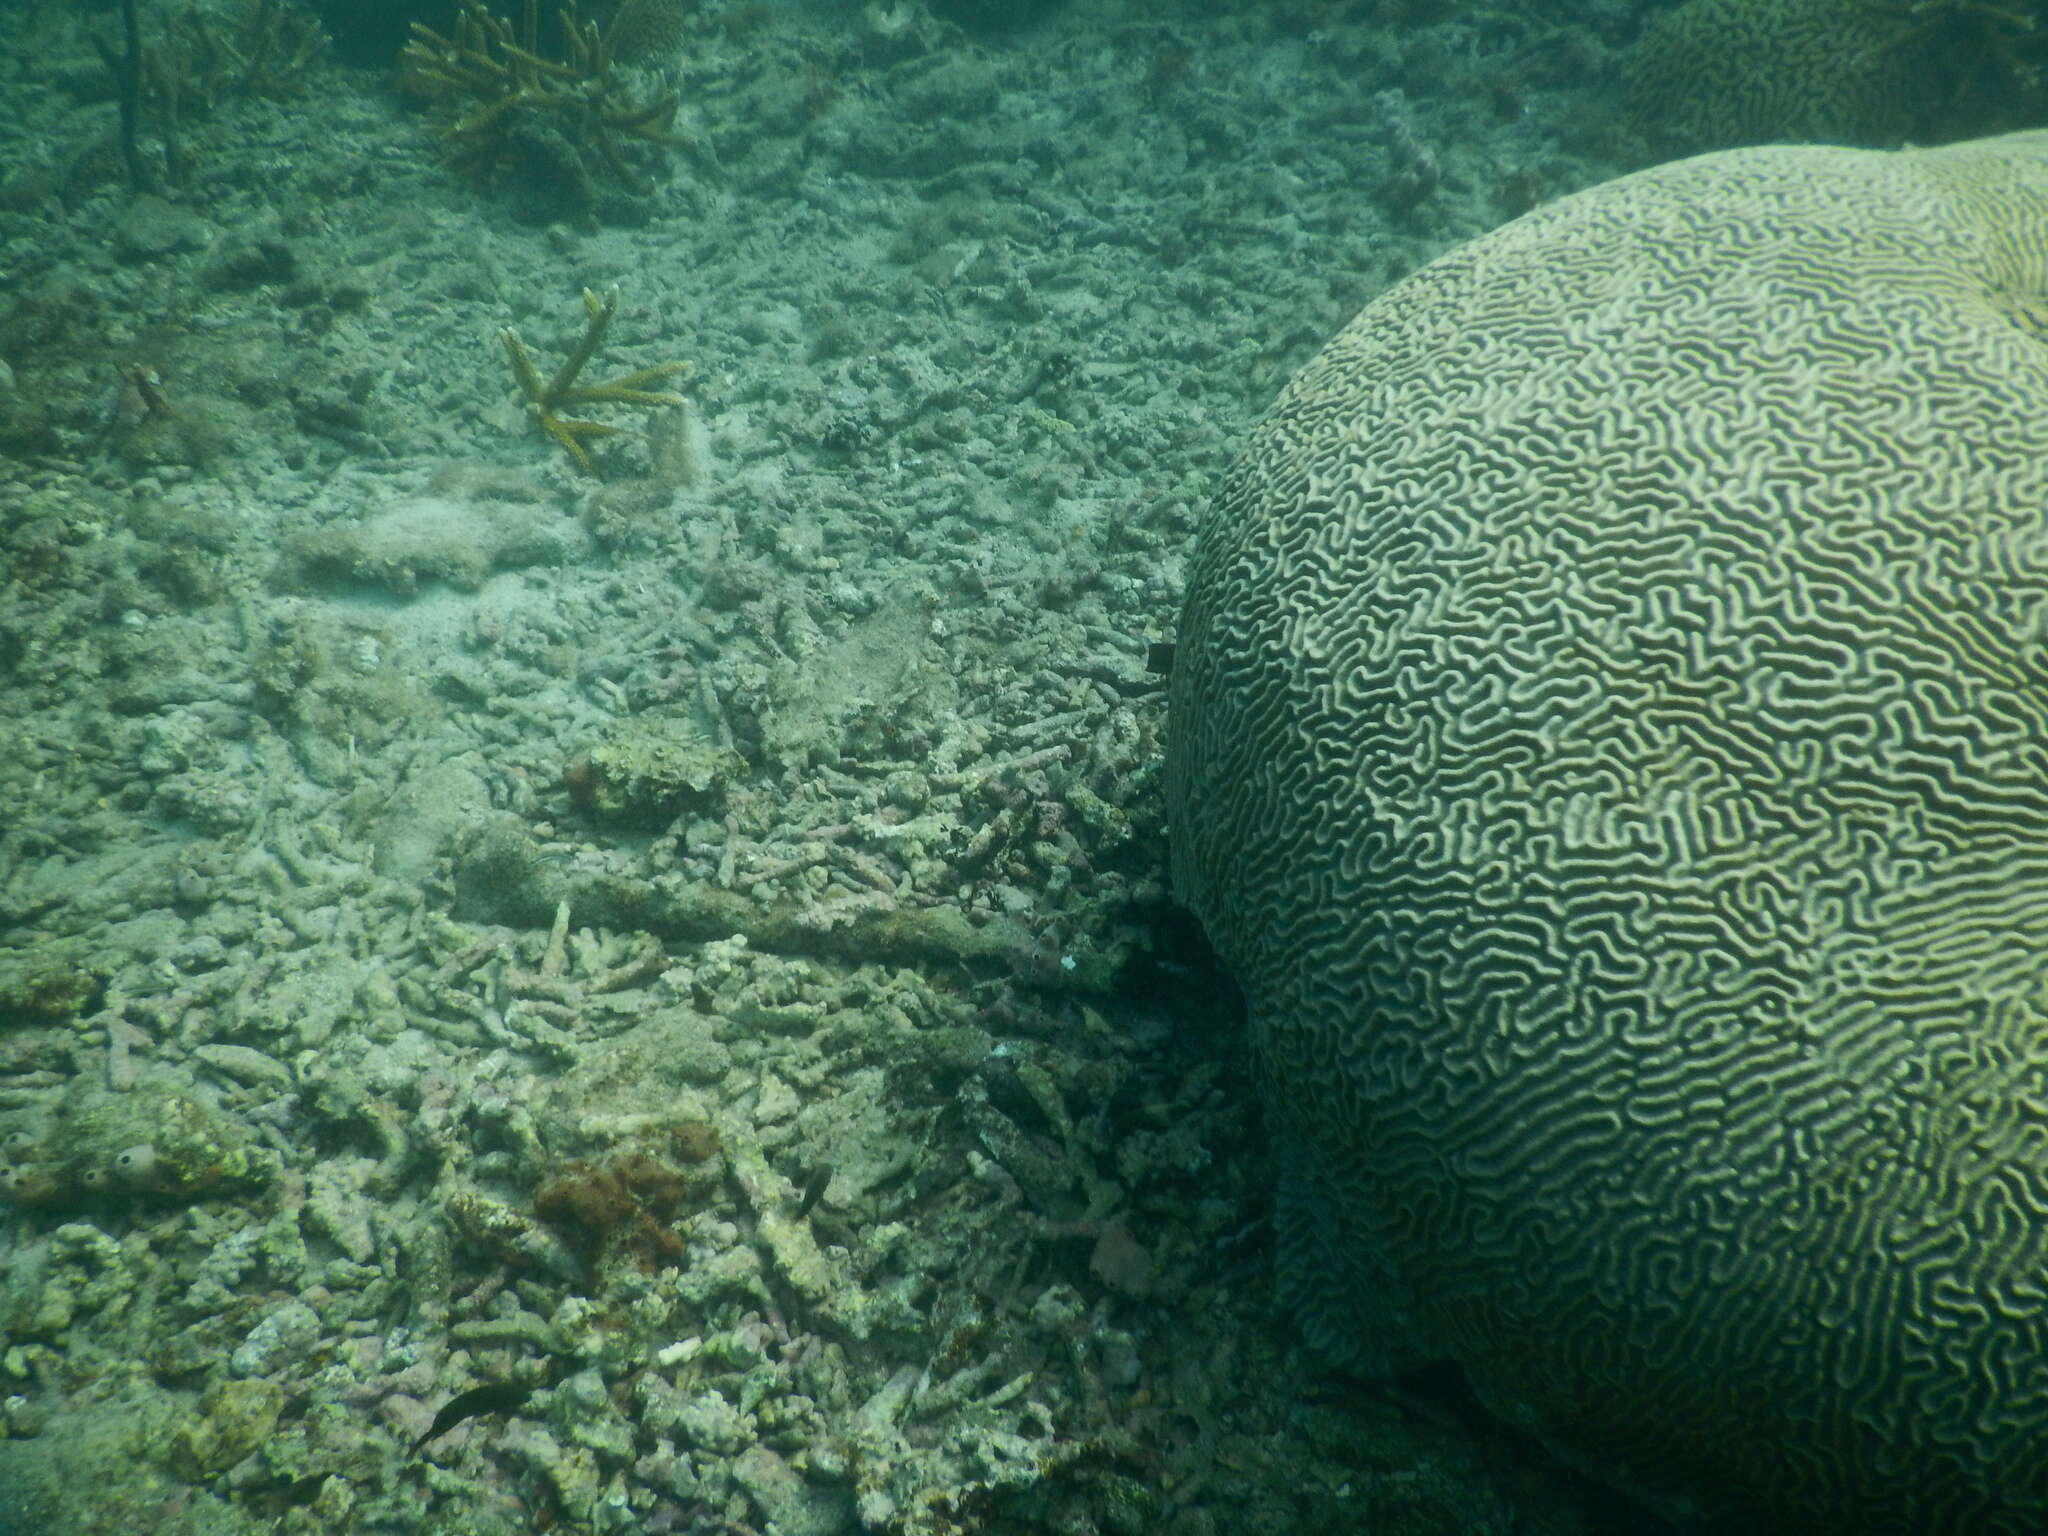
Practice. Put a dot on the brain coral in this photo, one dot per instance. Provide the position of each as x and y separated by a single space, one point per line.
1722 72
1611 750
1716 72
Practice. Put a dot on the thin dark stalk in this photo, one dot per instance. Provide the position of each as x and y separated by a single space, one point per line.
130 73
174 154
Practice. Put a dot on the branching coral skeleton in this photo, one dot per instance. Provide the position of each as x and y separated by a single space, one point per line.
543 399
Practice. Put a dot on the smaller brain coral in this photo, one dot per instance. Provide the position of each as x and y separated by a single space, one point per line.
648 31
1716 73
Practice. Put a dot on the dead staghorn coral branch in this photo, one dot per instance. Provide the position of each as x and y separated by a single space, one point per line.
544 399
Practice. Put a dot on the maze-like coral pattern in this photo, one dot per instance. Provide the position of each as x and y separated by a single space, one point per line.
1723 72
1611 749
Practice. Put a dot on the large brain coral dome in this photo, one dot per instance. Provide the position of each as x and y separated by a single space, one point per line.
1611 750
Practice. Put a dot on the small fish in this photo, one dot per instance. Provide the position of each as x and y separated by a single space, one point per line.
814 1187
498 1397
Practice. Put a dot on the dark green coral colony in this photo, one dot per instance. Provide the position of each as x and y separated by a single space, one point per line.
1611 749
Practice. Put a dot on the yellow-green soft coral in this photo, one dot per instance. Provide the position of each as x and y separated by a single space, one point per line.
491 79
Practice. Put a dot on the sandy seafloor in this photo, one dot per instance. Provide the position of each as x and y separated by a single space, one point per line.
689 941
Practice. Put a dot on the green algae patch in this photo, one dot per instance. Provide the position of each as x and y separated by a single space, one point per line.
153 1140
232 1420
49 985
650 772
